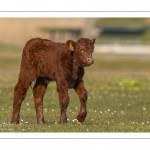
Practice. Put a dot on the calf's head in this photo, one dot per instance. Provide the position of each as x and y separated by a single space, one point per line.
83 50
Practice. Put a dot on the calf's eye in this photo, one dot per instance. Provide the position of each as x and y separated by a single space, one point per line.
81 50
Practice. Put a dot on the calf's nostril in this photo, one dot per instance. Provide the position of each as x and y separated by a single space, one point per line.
90 60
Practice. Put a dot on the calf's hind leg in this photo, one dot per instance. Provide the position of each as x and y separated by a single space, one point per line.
39 90
20 91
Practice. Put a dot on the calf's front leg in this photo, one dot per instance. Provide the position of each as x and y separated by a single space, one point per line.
82 93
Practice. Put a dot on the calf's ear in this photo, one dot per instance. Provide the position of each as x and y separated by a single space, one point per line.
71 44
93 41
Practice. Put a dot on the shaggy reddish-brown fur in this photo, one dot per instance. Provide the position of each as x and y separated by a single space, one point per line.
45 61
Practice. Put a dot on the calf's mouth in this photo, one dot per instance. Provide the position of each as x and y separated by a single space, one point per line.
87 63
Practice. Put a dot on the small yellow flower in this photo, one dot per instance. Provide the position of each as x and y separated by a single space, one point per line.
79 123
137 130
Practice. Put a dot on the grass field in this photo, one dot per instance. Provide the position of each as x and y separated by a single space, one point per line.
118 89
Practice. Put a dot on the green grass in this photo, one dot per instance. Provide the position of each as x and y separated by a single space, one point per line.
118 101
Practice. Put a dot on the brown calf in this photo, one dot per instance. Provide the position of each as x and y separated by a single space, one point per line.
45 60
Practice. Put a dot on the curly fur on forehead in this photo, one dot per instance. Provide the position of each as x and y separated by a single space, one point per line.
84 40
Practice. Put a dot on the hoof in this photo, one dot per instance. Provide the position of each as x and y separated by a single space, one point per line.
40 122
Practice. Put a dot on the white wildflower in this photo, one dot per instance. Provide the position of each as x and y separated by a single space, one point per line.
27 104
74 121
144 108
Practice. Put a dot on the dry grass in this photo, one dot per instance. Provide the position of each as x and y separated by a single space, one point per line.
19 30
